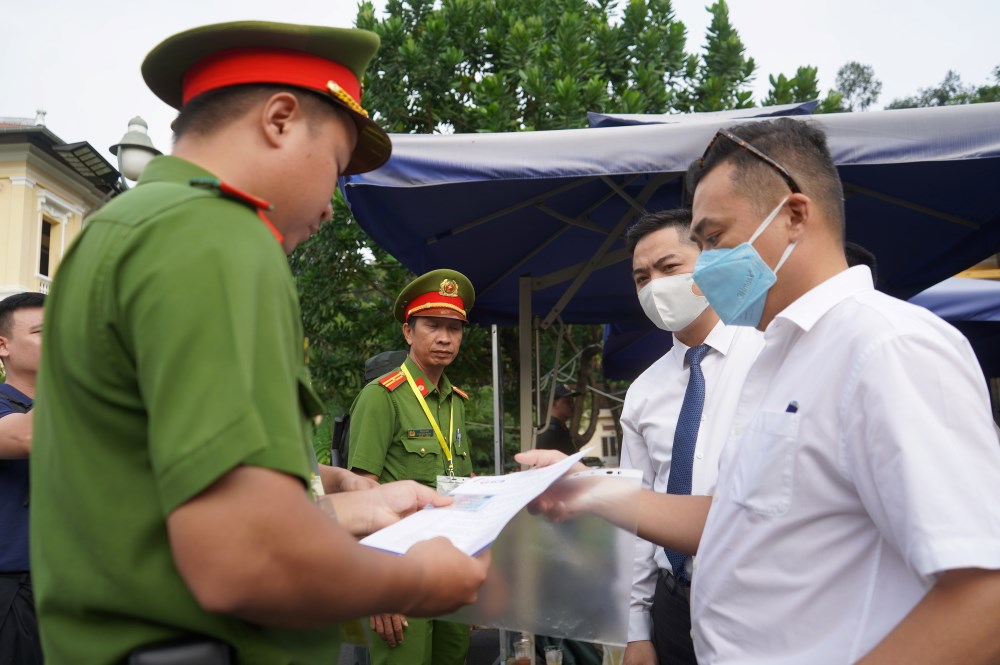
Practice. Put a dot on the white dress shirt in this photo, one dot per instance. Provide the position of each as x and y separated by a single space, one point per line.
649 417
831 521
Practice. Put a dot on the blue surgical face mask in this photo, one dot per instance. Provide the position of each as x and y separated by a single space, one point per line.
736 280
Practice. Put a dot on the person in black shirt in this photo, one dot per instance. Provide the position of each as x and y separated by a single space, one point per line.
557 435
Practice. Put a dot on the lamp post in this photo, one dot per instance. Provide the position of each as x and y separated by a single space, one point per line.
134 151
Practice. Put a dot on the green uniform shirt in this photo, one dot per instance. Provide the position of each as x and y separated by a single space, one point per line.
173 353
392 438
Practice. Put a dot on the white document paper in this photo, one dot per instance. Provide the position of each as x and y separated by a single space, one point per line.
483 506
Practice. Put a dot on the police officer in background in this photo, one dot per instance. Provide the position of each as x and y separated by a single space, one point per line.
173 512
410 424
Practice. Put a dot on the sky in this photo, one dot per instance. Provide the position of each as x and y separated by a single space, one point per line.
79 61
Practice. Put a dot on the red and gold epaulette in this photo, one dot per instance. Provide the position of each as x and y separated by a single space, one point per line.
392 380
461 393
229 192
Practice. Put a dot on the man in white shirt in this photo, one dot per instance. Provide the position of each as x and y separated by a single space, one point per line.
663 258
856 517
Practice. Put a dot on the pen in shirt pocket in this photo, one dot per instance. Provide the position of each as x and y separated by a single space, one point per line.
793 407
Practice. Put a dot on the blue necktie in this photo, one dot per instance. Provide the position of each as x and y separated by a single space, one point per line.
685 437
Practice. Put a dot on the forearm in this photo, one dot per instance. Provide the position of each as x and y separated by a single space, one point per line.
254 546
343 579
15 436
672 521
956 622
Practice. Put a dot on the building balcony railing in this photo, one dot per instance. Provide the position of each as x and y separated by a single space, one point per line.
44 283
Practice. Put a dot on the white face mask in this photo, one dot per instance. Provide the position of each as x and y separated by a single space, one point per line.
670 302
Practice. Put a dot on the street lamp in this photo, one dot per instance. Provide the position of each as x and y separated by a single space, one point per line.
134 150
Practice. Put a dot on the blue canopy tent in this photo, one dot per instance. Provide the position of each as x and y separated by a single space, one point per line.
536 219
626 119
971 305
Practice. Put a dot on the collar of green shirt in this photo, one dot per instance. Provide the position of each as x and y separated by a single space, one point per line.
443 387
167 168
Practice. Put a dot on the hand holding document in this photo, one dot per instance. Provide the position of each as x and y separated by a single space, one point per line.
482 508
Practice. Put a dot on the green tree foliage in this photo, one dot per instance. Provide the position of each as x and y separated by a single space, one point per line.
511 65
858 85
721 80
991 91
802 87
952 91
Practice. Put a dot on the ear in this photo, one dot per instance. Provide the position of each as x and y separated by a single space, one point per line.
408 334
279 113
801 214
4 353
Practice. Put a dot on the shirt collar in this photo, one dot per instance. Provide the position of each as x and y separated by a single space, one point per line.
443 387
167 168
15 395
720 338
810 307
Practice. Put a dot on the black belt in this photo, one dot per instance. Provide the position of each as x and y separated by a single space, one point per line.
677 586
183 652
20 577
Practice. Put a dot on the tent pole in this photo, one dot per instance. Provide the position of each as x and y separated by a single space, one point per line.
538 379
524 364
497 403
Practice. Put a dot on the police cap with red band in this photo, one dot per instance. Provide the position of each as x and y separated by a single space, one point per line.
328 61
444 293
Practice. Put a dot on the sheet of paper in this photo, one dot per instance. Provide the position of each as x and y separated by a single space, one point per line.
483 506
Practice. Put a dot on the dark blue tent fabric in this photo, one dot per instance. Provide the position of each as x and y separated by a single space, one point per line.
921 194
971 305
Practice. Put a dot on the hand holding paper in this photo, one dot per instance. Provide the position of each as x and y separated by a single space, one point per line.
482 507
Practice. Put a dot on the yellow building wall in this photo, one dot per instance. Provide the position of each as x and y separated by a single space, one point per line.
35 188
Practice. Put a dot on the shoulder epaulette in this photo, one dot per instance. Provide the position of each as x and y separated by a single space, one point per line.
392 380
461 393
230 192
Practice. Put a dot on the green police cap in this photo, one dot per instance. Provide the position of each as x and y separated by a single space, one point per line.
445 293
329 61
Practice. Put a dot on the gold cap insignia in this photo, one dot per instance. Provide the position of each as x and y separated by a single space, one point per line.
343 96
449 288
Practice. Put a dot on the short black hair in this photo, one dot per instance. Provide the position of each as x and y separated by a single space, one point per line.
10 304
210 111
798 145
859 256
677 218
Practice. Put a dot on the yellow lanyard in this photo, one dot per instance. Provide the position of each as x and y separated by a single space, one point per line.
445 445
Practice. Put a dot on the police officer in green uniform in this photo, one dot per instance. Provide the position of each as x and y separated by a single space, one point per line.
410 424
172 477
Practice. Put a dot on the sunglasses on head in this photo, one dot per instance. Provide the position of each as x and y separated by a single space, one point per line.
745 145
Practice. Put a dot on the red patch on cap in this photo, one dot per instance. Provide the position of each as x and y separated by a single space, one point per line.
424 305
267 65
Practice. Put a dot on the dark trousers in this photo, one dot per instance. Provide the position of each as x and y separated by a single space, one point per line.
672 621
19 641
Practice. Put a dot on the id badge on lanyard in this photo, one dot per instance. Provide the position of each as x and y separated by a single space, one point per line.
447 484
